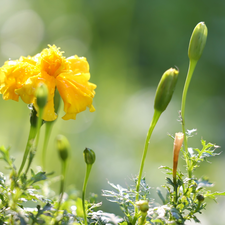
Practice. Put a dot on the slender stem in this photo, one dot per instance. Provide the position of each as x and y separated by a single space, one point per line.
192 65
48 129
34 147
62 183
151 128
143 219
88 170
30 141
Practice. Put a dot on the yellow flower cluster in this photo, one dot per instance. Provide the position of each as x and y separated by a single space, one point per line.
69 75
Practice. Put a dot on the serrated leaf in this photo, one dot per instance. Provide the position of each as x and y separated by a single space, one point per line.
196 219
160 195
169 181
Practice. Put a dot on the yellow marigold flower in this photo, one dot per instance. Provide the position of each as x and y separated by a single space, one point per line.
69 75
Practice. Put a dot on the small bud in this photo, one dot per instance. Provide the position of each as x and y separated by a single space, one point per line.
179 137
42 95
143 205
200 198
197 41
63 147
89 156
165 89
57 100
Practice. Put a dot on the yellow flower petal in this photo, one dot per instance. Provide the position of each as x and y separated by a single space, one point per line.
71 76
76 96
51 61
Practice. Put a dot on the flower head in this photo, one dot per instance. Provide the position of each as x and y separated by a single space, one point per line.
21 78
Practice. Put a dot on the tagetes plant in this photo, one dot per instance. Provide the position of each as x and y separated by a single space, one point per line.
21 78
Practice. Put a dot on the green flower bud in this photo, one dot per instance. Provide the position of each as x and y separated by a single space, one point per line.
63 147
89 156
57 100
143 205
42 95
197 41
200 198
165 89
33 117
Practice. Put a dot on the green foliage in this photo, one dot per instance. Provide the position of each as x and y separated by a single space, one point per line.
182 200
24 200
28 199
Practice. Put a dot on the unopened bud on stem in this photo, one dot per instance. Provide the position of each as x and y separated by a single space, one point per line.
63 147
179 137
200 198
143 205
165 89
89 156
197 41
42 95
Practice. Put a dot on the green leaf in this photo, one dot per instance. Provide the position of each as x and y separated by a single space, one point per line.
204 182
37 177
161 196
169 181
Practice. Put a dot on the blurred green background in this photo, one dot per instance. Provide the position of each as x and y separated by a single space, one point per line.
128 44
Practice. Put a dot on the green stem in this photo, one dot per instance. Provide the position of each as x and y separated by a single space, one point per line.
30 141
192 65
88 170
34 147
62 184
48 129
151 128
143 217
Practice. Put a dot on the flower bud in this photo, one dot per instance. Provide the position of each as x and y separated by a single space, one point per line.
200 198
57 100
143 205
165 89
179 137
197 41
89 156
42 95
63 147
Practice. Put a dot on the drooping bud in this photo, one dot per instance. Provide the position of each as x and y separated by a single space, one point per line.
143 205
63 147
178 141
165 89
89 156
197 41
42 95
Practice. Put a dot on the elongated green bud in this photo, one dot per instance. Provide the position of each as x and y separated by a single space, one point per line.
165 89
89 156
63 147
57 100
42 95
197 41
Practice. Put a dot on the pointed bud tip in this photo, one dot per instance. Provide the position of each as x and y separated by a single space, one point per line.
197 41
165 89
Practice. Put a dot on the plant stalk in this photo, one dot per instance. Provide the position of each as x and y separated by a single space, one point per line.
88 170
192 65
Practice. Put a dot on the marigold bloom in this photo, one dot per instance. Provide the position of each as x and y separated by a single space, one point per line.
69 75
